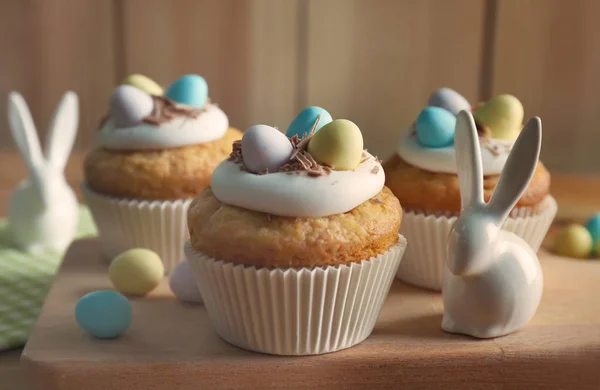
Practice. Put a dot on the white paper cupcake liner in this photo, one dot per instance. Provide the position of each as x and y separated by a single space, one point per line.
425 258
295 311
124 224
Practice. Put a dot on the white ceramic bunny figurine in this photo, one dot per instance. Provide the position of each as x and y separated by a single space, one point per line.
493 280
43 210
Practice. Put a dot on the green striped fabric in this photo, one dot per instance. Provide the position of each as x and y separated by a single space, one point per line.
24 283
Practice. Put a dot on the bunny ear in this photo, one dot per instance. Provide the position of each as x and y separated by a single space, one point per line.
468 160
518 170
63 130
23 131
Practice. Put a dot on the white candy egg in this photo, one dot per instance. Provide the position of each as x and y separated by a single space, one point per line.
129 105
183 284
265 148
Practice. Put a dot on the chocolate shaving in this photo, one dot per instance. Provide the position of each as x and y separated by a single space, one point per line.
375 201
166 109
375 169
305 162
482 130
236 152
495 149
364 156
102 121
413 130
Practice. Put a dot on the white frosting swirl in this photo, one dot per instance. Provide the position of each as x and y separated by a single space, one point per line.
443 160
210 125
292 195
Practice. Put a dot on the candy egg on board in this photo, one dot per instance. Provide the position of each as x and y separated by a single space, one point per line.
104 314
303 123
574 241
136 271
265 148
190 89
144 83
503 115
339 144
183 284
450 100
129 105
593 226
435 127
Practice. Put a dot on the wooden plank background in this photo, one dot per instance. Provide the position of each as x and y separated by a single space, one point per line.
374 62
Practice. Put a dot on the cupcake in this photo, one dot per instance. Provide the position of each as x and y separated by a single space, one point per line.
156 153
295 244
422 174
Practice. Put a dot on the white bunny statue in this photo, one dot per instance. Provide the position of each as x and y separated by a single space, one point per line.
493 280
43 211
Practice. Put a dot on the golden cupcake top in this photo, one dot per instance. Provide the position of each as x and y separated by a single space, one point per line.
318 168
243 236
142 115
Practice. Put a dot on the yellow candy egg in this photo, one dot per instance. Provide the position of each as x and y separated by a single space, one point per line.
574 241
136 271
503 115
339 144
144 83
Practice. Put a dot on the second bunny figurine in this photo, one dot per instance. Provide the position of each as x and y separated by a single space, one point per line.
493 280
43 210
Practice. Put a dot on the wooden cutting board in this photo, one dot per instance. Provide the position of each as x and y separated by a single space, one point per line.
171 345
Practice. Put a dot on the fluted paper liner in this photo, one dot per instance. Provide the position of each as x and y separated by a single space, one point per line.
123 224
295 311
425 258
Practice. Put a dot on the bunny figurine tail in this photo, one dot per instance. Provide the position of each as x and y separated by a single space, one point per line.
493 280
43 210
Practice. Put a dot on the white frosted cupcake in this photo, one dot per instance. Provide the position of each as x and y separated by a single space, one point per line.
156 152
422 174
295 244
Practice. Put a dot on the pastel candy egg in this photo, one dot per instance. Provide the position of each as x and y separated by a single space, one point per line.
435 127
450 100
264 148
104 314
593 226
136 271
574 241
190 89
303 123
339 144
129 105
503 115
144 83
183 284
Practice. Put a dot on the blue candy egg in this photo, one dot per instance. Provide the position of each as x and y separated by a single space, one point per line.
304 122
104 314
435 127
450 100
593 226
190 89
